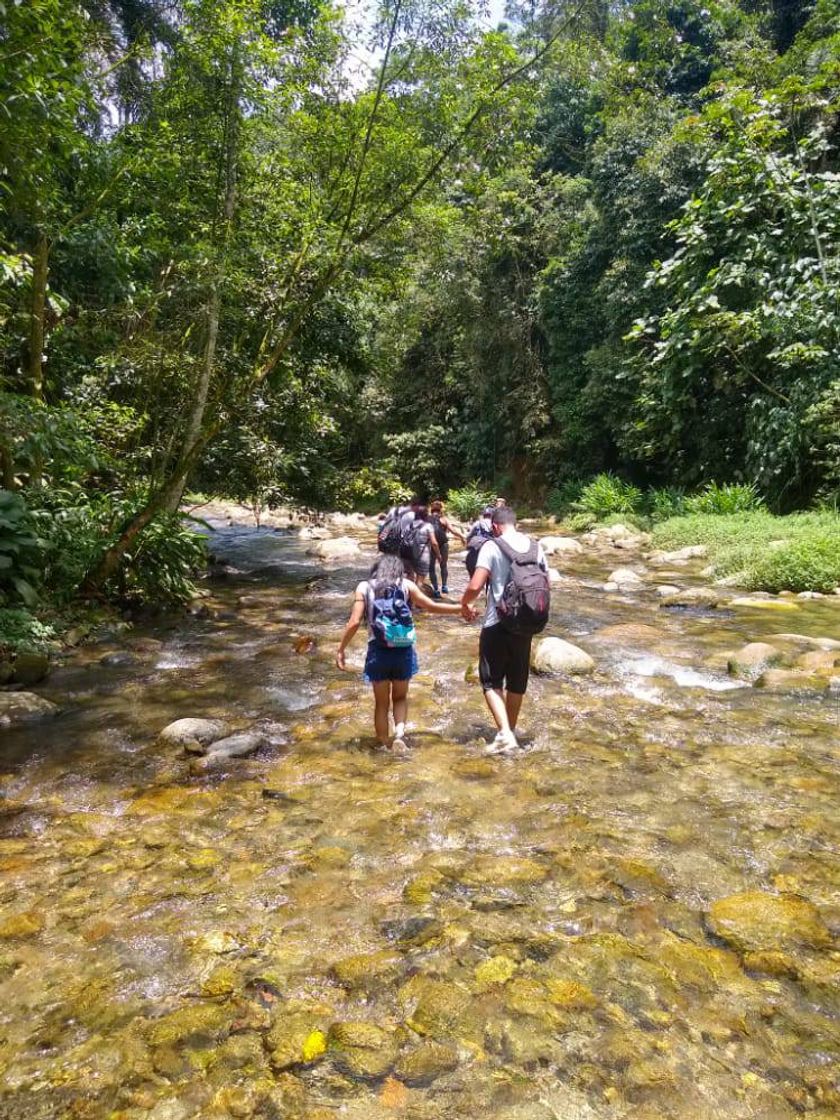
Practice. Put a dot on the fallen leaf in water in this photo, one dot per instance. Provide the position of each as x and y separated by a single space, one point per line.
305 644
393 1093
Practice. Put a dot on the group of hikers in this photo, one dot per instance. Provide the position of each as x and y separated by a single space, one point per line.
503 563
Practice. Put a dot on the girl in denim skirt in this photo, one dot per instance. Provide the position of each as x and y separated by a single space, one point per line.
385 600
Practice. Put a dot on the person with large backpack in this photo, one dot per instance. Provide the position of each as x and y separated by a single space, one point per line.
390 534
443 529
513 569
419 545
385 601
481 531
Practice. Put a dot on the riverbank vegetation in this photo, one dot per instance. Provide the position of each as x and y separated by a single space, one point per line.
587 255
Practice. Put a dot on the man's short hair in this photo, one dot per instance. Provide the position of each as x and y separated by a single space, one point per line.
504 515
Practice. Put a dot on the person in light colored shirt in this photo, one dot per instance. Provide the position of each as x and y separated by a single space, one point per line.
504 658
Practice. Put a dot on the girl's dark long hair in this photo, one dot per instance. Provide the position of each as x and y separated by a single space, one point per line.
386 574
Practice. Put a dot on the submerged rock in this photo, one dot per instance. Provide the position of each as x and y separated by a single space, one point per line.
297 1038
19 707
631 633
554 655
756 921
199 1021
752 659
368 970
362 1050
185 731
426 1063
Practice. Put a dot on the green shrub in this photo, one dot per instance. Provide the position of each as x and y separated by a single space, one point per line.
20 552
732 497
159 569
20 630
467 502
800 552
370 489
562 498
664 502
607 494
811 564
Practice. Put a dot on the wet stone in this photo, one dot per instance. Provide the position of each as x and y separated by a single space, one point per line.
425 1063
297 1038
412 932
756 921
504 871
368 970
196 1022
362 1050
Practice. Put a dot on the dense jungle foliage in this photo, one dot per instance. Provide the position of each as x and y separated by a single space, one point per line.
594 237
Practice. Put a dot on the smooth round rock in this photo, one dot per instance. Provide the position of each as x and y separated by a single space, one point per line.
554 655
203 731
337 548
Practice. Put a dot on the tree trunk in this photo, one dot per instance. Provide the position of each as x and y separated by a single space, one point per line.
214 303
35 355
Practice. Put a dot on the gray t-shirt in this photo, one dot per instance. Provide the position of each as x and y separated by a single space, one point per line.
491 558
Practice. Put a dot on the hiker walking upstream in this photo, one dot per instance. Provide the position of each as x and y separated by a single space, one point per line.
443 529
385 600
513 569
418 544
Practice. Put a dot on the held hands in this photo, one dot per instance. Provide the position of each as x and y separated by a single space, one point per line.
468 612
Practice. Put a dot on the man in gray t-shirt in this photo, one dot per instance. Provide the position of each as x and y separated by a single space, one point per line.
504 658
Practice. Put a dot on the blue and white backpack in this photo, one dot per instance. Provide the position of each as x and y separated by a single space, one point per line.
391 621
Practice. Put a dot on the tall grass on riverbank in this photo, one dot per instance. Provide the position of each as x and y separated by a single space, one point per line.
799 552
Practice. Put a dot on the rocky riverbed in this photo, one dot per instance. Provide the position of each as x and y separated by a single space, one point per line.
634 918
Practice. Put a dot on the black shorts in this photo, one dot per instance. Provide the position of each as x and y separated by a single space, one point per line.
504 659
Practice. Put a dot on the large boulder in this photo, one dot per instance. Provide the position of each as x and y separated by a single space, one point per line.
19 707
791 680
337 548
752 659
553 655
756 921
553 545
185 732
30 668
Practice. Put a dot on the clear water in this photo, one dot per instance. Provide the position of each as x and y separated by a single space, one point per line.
538 925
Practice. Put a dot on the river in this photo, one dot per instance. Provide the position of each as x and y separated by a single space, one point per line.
633 918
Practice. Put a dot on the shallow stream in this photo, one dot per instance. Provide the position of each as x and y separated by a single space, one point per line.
324 930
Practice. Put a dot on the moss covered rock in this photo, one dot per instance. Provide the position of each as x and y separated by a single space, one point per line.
368 970
426 1063
296 1038
504 871
199 1021
362 1050
756 921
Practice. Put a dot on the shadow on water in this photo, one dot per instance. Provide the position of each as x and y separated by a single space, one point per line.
323 930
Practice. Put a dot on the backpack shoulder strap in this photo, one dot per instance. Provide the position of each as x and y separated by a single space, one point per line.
513 554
